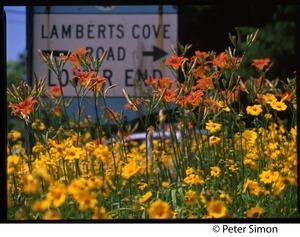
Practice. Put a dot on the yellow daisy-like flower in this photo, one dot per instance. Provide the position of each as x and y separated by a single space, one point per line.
278 186
57 194
190 197
252 186
31 183
38 125
52 215
223 106
193 179
40 206
278 105
165 184
268 115
224 196
12 163
160 210
268 176
215 171
189 171
254 212
145 197
213 140
14 135
142 186
268 98
213 127
251 163
100 213
73 153
90 146
250 136
130 169
39 147
254 110
216 209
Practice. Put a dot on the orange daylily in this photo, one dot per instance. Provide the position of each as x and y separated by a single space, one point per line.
259 64
200 56
85 78
169 95
24 107
56 110
175 62
79 53
162 83
205 83
54 90
223 60
97 83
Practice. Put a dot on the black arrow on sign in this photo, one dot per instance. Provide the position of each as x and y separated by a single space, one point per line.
157 53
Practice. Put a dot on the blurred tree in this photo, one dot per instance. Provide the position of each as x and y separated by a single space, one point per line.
276 40
206 27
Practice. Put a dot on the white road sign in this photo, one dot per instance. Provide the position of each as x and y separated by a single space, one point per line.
136 38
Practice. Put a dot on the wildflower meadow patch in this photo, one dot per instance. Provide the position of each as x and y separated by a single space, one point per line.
219 146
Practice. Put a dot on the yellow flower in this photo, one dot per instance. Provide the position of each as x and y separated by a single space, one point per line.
226 197
215 171
165 184
12 163
278 105
216 209
213 127
40 206
267 177
73 153
95 182
38 148
78 186
250 136
57 194
268 115
193 179
160 210
38 125
130 169
252 154
254 212
145 197
189 171
143 186
254 110
31 184
86 201
233 169
252 186
251 163
51 215
213 140
190 197
90 146
278 186
166 159
100 214
14 135
222 104
268 98
294 131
